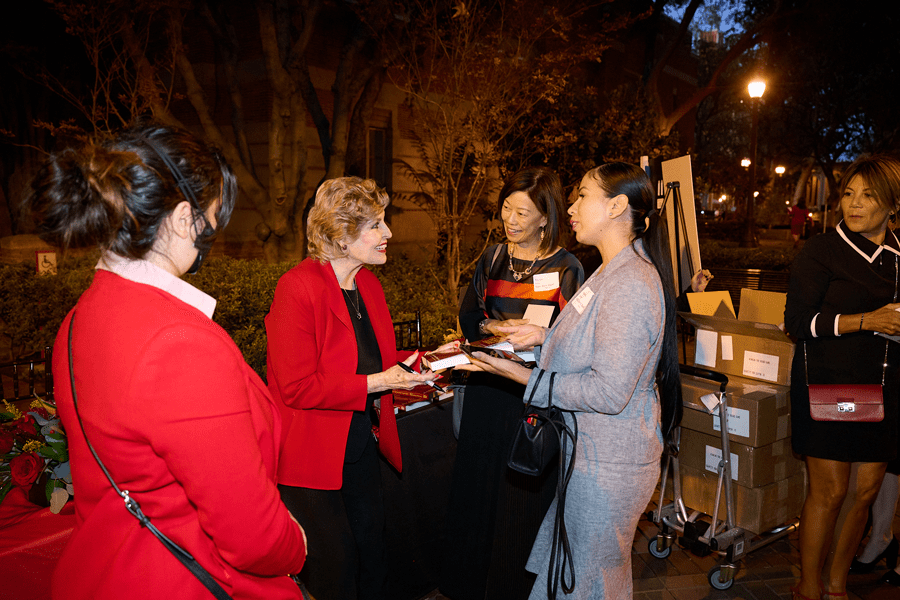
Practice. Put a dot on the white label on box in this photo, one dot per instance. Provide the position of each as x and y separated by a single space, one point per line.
714 457
711 401
727 350
761 366
738 422
705 354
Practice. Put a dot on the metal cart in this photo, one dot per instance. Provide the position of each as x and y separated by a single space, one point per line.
699 534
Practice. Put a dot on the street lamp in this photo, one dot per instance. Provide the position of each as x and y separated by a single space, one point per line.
756 89
779 169
745 162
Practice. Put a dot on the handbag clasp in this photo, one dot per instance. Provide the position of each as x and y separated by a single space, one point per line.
846 407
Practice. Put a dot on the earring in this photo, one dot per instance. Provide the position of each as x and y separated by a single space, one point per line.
542 234
610 214
343 247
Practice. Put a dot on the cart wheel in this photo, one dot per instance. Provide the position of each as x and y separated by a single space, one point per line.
664 553
714 581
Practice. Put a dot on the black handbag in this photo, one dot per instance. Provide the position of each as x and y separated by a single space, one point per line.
135 509
541 435
536 442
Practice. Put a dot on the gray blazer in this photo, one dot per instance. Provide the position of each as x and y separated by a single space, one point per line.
604 348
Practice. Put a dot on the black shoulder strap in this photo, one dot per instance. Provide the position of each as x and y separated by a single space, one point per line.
135 509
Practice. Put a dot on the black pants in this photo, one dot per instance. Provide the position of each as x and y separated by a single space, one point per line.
345 532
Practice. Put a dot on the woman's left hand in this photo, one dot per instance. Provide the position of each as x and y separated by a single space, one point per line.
509 369
396 378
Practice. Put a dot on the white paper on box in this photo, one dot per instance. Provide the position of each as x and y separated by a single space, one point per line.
714 457
727 350
761 366
711 401
738 422
707 341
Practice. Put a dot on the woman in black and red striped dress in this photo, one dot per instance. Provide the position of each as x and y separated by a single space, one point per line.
494 512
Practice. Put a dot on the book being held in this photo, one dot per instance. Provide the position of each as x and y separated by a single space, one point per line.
453 358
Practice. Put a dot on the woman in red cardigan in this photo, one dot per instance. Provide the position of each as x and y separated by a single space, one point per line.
331 359
164 395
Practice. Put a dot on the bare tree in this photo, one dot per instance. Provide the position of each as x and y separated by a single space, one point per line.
479 70
150 56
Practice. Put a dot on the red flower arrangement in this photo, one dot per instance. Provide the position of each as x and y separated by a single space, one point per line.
25 468
32 444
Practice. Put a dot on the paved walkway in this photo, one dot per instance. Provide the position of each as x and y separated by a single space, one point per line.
766 574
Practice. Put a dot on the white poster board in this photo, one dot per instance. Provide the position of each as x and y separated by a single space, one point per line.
684 216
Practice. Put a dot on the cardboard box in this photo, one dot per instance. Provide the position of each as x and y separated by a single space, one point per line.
750 467
742 348
759 414
755 509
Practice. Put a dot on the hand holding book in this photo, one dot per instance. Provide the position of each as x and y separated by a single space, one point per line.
524 337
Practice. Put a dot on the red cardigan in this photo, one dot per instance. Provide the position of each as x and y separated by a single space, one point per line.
183 423
312 359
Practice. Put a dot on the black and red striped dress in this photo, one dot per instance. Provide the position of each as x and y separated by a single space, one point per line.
494 512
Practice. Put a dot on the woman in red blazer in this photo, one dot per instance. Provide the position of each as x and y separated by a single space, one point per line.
331 358
164 395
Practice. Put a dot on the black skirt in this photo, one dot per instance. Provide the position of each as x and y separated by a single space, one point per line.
494 512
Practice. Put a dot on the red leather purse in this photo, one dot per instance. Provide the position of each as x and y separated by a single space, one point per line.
859 402
849 402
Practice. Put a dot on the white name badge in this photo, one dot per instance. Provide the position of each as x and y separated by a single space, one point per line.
581 300
545 282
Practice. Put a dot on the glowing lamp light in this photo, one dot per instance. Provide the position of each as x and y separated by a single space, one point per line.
722 198
756 88
745 162
780 170
755 194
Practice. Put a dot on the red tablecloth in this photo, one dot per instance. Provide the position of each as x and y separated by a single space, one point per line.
31 541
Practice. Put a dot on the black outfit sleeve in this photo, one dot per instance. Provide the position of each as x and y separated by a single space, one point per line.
472 311
811 275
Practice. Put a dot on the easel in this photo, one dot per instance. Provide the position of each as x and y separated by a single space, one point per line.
669 177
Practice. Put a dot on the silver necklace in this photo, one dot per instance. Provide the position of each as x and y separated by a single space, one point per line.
519 275
352 303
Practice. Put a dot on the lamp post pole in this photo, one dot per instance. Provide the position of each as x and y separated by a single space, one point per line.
756 89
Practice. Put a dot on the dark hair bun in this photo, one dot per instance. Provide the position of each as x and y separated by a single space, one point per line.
77 200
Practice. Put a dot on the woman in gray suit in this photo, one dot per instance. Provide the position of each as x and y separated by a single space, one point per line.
614 355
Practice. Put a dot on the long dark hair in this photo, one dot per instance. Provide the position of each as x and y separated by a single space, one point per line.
646 224
115 194
543 187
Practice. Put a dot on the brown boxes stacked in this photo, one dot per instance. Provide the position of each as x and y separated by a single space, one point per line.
769 481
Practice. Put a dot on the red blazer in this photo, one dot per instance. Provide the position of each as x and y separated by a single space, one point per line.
183 423
312 359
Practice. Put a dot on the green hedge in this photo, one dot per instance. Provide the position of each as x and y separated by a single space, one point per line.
32 307
727 255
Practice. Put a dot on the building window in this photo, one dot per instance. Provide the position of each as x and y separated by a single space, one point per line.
379 157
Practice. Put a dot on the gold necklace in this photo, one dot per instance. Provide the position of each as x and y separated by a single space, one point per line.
519 275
